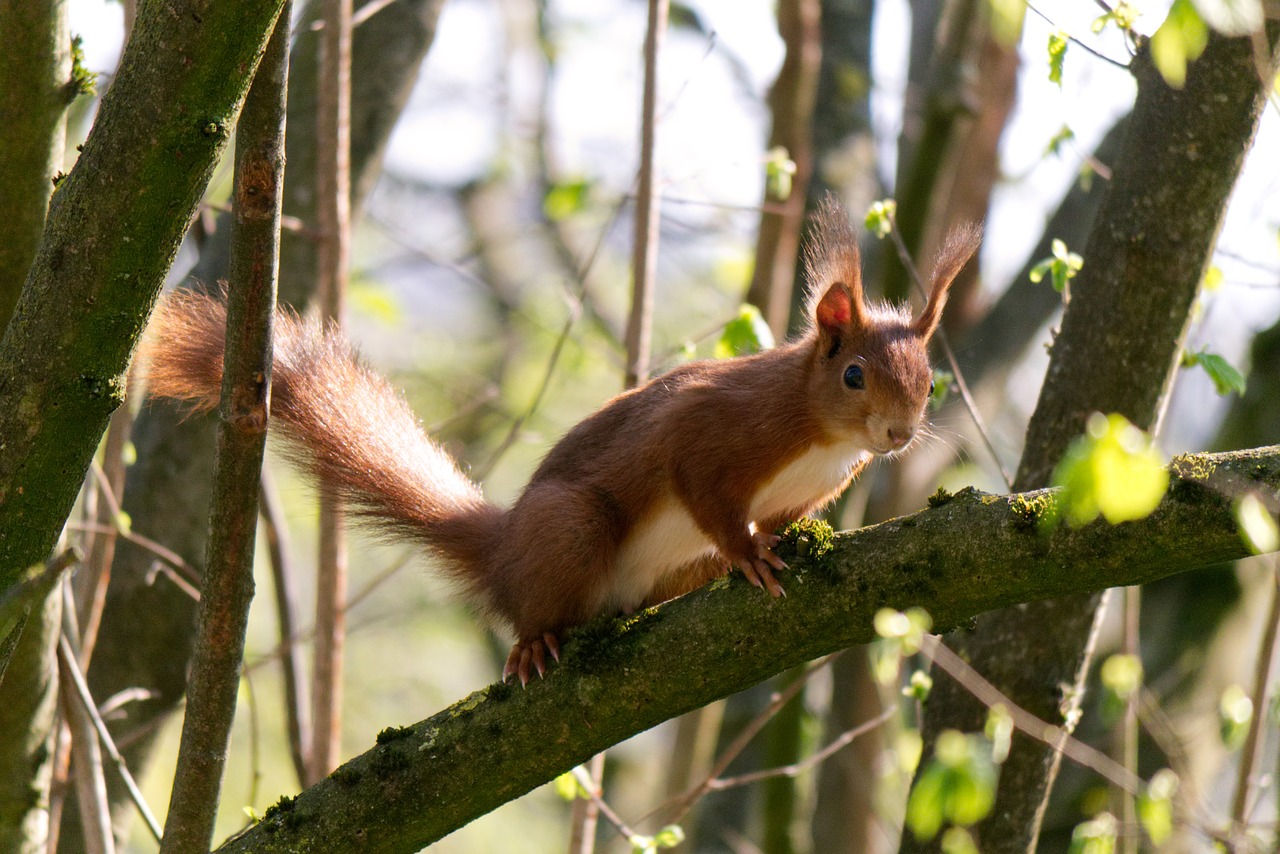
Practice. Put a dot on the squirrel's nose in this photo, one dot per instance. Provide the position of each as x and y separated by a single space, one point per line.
899 436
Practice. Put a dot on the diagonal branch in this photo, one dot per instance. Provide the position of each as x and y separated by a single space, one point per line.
969 554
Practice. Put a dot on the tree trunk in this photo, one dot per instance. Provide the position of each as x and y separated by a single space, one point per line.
1116 352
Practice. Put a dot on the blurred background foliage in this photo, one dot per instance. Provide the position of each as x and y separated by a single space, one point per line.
491 279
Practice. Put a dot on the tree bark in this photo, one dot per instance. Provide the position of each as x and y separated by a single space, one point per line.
1117 352
968 554
114 226
35 90
242 438
167 490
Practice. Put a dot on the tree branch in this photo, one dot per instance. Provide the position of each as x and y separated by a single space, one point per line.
969 554
242 437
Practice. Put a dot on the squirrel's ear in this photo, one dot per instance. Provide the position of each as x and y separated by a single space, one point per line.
959 247
840 308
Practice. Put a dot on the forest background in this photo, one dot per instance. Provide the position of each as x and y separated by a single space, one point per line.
491 280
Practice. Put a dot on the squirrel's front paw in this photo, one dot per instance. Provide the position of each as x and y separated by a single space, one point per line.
759 567
526 653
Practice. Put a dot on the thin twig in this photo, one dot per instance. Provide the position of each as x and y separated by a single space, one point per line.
1046 733
333 158
1117 63
92 586
797 768
941 336
213 681
167 555
67 660
1251 752
586 813
84 751
1127 733
575 302
291 664
593 792
644 257
683 802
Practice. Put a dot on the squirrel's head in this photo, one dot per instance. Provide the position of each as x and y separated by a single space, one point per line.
872 376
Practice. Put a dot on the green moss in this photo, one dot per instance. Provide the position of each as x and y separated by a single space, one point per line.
808 538
469 704
1193 466
940 497
394 733
1030 510
347 775
282 814
387 762
83 81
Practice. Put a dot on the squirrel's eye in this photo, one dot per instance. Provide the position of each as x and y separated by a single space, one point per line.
853 376
932 384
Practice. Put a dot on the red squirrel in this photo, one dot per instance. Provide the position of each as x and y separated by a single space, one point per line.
664 488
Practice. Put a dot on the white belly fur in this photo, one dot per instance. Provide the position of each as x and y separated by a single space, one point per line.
813 475
669 539
665 540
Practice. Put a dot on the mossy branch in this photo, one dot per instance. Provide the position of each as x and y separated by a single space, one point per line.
967 554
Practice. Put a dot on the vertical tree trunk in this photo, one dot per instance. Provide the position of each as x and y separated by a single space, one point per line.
1116 352
35 90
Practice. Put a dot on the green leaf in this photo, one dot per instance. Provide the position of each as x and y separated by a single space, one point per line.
779 169
957 787
1124 16
124 522
670 836
919 686
1006 20
1113 470
566 198
1095 836
1213 278
642 844
1064 135
999 731
1155 806
879 219
1257 525
1057 55
1226 379
957 840
1121 677
1179 40
1061 266
746 333
1235 711
567 786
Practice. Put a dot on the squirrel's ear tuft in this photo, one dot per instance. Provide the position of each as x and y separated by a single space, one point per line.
834 270
956 251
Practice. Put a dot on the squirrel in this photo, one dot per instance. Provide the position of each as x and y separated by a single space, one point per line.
666 487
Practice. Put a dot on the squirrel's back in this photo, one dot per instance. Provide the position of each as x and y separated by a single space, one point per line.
345 425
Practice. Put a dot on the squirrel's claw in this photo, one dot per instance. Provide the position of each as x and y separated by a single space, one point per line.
527 657
758 568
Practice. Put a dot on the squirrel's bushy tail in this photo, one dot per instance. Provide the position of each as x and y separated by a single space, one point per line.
345 424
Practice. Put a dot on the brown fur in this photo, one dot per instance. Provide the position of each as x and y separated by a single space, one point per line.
683 459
